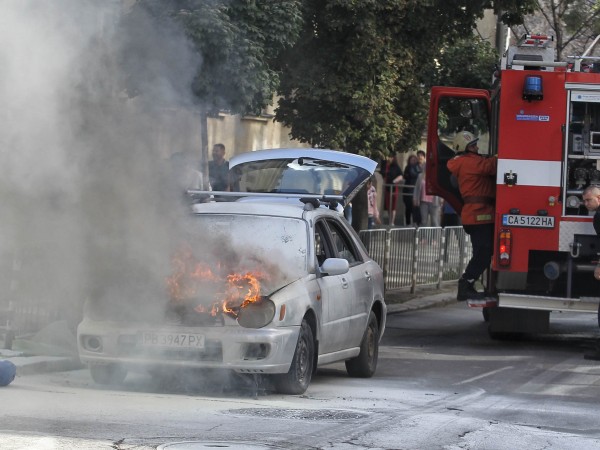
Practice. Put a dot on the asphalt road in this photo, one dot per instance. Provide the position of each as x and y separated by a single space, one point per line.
442 383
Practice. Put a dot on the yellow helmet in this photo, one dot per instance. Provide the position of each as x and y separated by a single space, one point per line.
462 140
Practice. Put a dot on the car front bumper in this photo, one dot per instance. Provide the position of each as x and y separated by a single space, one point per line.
264 350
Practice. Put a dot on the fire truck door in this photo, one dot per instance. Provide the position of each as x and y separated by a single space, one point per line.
452 110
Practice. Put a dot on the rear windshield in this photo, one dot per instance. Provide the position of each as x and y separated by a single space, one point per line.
298 176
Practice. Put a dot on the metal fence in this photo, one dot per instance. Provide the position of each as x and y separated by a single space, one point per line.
412 257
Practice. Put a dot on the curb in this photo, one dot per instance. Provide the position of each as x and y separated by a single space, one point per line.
32 365
430 301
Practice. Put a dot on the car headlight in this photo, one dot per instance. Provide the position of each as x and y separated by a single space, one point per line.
257 314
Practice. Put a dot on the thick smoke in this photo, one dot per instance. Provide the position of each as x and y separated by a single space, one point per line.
92 109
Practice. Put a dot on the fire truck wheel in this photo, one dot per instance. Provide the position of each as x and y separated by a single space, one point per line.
364 365
298 378
107 373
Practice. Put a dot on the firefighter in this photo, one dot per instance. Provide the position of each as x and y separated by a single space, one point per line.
476 176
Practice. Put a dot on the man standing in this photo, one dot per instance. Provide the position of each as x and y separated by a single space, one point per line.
476 177
218 169
591 200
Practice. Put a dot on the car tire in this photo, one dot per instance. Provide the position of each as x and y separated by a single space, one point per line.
298 378
365 364
108 373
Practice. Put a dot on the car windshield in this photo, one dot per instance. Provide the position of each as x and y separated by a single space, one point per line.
271 249
298 176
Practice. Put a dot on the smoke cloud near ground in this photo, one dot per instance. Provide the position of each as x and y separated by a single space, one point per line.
92 109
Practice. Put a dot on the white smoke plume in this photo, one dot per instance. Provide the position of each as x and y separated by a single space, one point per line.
91 110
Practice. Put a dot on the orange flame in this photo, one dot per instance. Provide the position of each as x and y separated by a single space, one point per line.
186 281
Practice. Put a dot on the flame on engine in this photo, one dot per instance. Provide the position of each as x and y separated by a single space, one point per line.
190 278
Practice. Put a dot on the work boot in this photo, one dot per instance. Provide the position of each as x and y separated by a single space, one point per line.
466 291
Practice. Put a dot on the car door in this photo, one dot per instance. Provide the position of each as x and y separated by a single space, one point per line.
336 296
358 278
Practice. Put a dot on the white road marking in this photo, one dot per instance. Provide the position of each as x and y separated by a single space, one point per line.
483 375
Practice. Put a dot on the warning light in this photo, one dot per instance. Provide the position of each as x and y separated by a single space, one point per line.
532 90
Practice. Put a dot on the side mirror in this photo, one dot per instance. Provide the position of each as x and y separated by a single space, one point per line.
335 266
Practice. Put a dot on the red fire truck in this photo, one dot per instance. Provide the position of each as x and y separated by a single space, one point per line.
541 120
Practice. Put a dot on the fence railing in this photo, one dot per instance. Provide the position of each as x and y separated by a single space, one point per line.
409 257
412 257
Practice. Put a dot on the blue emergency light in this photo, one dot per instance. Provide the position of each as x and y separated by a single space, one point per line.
532 90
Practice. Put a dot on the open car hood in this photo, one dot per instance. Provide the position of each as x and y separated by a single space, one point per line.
300 171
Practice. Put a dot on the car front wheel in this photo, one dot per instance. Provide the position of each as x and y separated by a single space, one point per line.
364 365
108 374
298 378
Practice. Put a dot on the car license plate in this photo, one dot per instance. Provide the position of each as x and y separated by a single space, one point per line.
172 340
517 220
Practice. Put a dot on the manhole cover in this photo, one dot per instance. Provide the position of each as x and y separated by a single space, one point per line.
299 414
196 445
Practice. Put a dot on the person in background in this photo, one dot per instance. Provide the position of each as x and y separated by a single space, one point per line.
422 159
591 200
392 174
476 175
373 211
411 173
218 169
429 205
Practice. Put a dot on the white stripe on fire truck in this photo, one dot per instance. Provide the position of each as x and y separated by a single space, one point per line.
529 172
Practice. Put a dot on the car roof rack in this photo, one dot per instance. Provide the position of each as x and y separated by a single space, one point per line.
315 200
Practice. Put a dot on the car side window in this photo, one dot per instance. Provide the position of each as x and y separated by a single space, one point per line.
320 243
342 243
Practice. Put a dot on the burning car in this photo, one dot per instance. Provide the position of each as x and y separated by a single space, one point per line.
271 281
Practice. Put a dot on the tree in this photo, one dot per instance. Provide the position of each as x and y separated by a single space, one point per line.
469 62
573 23
358 77
236 42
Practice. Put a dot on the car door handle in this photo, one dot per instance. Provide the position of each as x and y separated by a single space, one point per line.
344 283
367 275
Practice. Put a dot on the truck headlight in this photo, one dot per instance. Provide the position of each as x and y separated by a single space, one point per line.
257 314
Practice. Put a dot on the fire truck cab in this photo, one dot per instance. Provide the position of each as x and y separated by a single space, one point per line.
541 119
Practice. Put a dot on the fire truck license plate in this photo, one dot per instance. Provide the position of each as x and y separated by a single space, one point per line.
172 340
517 220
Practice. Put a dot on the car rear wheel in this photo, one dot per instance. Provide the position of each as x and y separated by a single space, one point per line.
108 373
298 378
364 365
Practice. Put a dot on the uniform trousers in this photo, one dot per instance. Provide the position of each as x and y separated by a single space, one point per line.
482 241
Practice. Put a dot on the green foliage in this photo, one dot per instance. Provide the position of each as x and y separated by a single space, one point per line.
470 62
358 77
237 42
352 74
